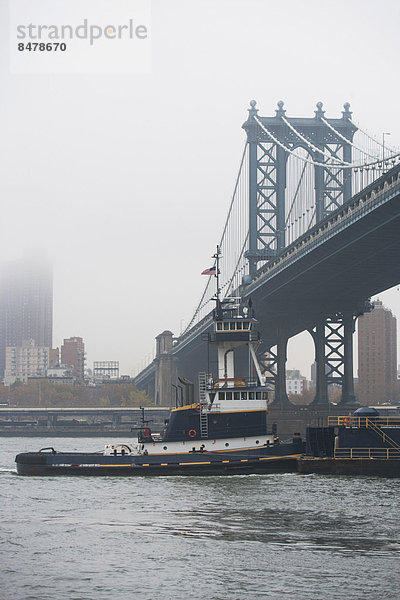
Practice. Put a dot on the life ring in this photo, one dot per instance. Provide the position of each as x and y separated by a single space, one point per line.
346 420
192 433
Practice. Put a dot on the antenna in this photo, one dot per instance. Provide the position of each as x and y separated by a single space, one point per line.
217 256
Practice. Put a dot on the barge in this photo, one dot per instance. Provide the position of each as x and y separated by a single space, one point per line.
362 443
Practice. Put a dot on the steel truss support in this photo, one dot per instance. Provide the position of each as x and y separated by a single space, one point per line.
268 362
268 173
332 186
274 368
267 183
333 340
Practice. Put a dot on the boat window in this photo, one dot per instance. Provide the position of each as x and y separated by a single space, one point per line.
265 395
229 395
251 395
236 395
227 444
232 326
226 326
258 395
239 325
221 395
219 326
246 325
244 395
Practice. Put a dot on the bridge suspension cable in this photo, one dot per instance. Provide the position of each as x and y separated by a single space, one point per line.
329 156
311 145
234 232
368 135
295 194
238 269
342 165
342 137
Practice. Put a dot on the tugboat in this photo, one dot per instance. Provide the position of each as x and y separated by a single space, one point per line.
225 432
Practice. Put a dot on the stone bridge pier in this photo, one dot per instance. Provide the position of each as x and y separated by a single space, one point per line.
165 370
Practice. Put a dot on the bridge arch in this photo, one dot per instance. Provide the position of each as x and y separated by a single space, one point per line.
300 206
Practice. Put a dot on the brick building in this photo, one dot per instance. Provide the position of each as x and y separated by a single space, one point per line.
73 355
377 356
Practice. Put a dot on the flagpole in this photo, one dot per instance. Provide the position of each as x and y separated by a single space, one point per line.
216 256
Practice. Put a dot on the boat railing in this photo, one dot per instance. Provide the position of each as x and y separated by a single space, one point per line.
241 334
215 407
382 453
223 383
372 422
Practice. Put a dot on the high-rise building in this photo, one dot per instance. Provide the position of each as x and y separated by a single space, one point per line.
73 355
26 304
377 356
27 360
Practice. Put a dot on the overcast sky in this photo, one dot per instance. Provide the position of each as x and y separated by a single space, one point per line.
125 180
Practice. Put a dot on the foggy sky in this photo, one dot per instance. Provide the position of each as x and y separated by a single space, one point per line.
125 180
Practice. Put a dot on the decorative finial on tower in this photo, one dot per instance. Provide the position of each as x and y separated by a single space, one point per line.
319 113
280 112
346 112
253 110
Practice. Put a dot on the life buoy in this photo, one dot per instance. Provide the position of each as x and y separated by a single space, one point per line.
192 433
346 420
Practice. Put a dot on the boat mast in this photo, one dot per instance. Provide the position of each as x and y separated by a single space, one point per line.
217 299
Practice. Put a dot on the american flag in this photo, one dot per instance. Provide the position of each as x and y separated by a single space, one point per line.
210 271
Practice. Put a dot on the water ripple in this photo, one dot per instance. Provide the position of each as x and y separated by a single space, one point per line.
221 538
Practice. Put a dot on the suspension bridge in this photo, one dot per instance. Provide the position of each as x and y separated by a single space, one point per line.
312 232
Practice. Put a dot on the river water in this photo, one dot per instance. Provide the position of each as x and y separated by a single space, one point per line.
216 538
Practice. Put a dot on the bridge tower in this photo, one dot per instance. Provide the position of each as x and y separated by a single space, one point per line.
268 158
270 142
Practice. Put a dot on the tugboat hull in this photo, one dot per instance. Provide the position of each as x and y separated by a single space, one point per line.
272 460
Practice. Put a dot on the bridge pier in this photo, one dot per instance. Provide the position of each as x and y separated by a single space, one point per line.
318 335
333 340
164 372
281 399
348 396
